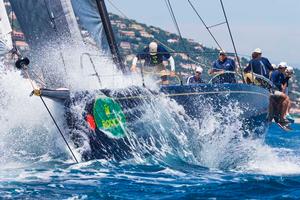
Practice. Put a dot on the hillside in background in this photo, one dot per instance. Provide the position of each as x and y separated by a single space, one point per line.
133 37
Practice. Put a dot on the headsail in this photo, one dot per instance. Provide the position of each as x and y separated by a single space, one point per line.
5 31
45 22
51 30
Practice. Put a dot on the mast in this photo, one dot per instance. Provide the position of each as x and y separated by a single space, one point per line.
110 35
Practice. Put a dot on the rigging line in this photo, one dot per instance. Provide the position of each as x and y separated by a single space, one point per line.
203 22
171 11
162 43
219 24
52 117
119 10
174 20
126 17
59 130
231 37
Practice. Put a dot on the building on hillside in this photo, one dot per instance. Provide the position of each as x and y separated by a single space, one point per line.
128 33
199 47
183 56
154 29
22 45
146 34
18 35
172 40
137 27
125 45
121 26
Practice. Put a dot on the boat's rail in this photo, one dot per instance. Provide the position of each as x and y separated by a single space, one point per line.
249 78
216 78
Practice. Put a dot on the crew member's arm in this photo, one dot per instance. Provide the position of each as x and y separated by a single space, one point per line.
269 65
172 64
284 86
215 70
134 63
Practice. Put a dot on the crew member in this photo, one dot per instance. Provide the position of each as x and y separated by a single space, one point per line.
288 74
279 101
222 65
196 79
259 65
154 55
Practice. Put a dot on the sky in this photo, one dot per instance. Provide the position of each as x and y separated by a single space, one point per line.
272 25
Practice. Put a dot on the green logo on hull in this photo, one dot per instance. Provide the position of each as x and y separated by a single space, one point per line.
109 117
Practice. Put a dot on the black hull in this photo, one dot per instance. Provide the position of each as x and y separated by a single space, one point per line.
252 100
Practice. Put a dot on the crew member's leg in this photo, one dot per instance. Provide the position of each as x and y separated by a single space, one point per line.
284 107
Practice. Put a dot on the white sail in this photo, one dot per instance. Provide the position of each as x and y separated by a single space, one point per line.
5 31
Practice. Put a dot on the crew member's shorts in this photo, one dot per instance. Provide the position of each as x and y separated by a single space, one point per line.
277 96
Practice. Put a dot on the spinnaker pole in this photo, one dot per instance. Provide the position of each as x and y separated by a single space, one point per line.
110 36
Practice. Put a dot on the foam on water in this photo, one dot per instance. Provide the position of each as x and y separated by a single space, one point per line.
27 132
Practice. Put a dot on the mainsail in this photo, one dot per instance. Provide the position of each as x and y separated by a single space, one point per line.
51 30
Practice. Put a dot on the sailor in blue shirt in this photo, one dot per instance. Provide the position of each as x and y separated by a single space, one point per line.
196 79
288 74
278 78
222 65
260 65
279 101
154 55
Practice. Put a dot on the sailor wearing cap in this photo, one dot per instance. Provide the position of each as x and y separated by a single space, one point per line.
288 74
259 65
196 79
224 64
278 77
279 101
154 55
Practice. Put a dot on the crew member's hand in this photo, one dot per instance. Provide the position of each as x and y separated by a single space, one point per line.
220 72
172 73
215 72
133 68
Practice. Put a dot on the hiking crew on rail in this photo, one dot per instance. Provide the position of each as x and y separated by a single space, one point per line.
154 55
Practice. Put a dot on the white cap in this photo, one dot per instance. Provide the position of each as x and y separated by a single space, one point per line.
222 53
290 70
282 65
199 69
257 50
153 48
